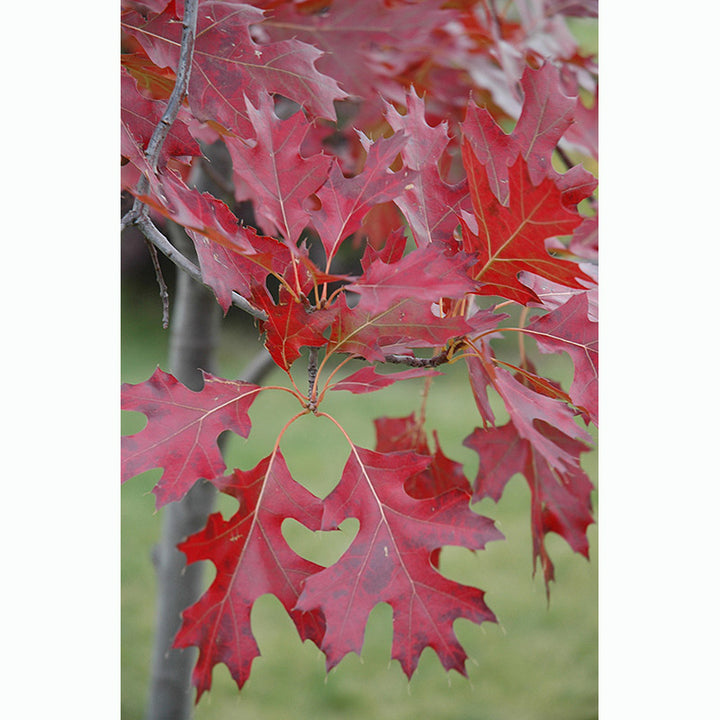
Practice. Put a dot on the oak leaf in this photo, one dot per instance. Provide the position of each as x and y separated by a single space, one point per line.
139 115
560 499
228 65
367 379
278 177
547 113
390 561
429 203
251 558
182 430
568 329
346 201
509 239
290 325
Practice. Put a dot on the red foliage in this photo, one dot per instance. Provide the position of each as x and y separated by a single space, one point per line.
464 222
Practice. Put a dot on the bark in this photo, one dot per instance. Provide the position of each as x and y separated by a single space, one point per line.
193 339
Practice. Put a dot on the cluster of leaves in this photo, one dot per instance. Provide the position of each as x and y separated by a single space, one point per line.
373 126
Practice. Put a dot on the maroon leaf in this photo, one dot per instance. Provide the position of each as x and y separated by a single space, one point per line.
441 475
139 115
405 324
278 177
346 201
225 270
426 273
290 326
560 500
251 558
510 239
531 409
200 212
368 380
568 329
546 114
389 561
182 430
228 65
430 205
364 43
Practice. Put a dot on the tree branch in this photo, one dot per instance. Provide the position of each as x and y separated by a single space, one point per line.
153 235
182 78
413 361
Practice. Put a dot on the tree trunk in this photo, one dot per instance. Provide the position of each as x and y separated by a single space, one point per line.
193 338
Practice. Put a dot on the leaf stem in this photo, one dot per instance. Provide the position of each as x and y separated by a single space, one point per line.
521 337
330 377
312 378
164 297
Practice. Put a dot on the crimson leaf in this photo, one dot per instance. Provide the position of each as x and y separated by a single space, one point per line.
510 239
264 163
560 500
389 561
228 65
251 558
568 329
182 430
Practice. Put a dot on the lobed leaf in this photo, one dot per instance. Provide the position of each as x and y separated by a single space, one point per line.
390 561
251 558
182 430
560 499
228 65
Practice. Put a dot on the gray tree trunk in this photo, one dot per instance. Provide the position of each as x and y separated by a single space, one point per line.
193 338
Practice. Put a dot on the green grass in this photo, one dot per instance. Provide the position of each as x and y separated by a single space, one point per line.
539 663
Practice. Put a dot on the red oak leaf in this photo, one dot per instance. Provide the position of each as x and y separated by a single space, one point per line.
200 212
584 242
364 43
510 239
392 251
155 6
228 65
346 201
584 131
568 329
427 273
251 558
560 500
278 177
389 561
430 205
225 270
182 430
552 295
400 326
157 82
290 326
367 379
139 115
532 409
441 475
547 113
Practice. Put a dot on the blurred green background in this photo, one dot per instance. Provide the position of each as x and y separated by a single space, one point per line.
539 663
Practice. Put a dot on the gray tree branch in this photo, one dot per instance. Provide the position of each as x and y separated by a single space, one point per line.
182 79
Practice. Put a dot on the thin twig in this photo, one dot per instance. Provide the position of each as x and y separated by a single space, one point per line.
312 375
413 361
164 297
151 233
